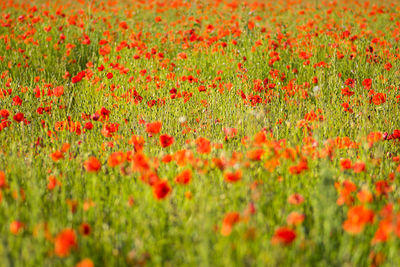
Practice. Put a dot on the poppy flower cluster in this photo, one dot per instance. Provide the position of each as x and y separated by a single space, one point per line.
254 131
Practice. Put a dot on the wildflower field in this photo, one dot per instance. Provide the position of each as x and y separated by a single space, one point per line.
199 133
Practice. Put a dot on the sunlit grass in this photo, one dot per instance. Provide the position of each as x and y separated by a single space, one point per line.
199 133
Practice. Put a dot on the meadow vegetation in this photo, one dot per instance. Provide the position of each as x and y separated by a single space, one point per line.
199 133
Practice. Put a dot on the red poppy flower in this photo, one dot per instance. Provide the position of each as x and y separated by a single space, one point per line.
53 182
345 164
58 91
345 191
85 263
4 113
88 125
357 218
295 199
109 129
17 101
64 241
3 181
364 196
379 99
105 113
388 66
230 133
92 164
229 221
350 82
367 83
161 189
56 156
137 142
203 145
382 188
359 167
116 159
284 235
166 140
16 227
299 168
295 218
255 154
232 177
154 127
85 229
123 25
184 177
18 117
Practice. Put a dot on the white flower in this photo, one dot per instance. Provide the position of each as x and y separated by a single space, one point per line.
316 89
182 119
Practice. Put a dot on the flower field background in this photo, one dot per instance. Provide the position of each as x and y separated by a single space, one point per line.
199 133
